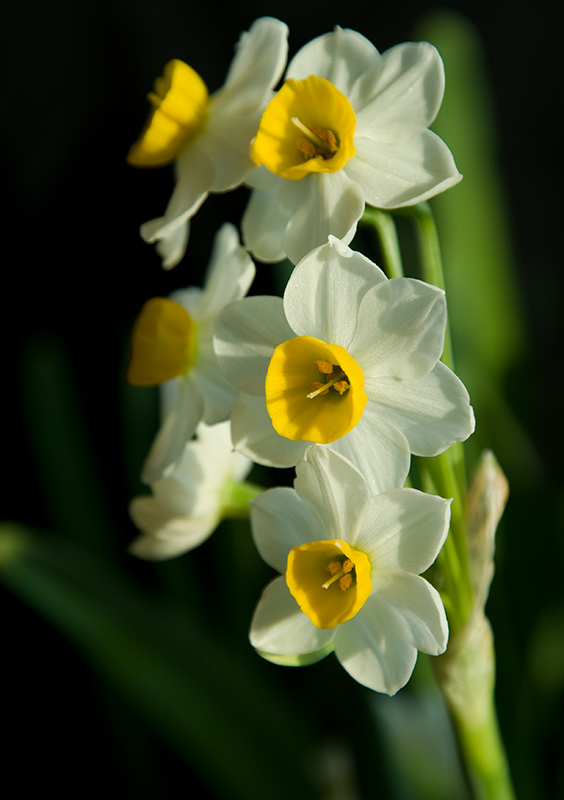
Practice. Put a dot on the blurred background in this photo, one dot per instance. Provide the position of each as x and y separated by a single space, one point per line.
139 677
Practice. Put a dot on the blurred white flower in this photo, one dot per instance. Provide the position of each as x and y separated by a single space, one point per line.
349 127
172 346
186 507
207 137
350 562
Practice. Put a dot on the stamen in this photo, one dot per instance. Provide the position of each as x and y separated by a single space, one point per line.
319 142
341 386
324 366
328 138
345 582
308 132
307 148
321 388
342 575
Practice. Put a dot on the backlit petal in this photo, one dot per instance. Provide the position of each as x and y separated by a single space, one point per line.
369 648
280 521
325 290
401 329
415 609
403 173
246 334
432 412
403 529
254 436
279 625
401 96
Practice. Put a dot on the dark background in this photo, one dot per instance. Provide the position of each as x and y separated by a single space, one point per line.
75 79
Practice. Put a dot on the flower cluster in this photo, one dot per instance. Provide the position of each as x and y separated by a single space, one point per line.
340 378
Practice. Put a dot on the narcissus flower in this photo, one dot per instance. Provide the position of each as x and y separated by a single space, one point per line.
348 127
172 346
186 507
208 137
350 563
347 359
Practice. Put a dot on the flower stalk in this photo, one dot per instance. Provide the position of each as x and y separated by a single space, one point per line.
384 227
466 672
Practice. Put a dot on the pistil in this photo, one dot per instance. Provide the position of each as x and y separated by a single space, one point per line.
340 572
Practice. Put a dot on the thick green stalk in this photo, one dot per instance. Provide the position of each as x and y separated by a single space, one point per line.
466 675
384 226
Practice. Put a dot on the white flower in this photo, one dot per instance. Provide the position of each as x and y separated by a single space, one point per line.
172 345
348 359
349 127
208 137
350 562
187 505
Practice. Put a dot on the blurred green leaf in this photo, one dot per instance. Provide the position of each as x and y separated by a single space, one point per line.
211 705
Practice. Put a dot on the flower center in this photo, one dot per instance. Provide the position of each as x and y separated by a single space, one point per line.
314 391
180 107
308 126
163 343
329 580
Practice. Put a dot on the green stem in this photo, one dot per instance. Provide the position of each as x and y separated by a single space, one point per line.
384 227
447 470
466 676
485 758
430 257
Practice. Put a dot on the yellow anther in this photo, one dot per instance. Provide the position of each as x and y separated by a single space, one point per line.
345 582
324 366
341 386
307 148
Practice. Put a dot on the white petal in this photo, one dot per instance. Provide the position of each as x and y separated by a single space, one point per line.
227 143
214 449
170 248
378 450
403 529
333 489
370 649
217 392
280 521
414 608
340 57
268 213
325 290
404 173
256 68
401 329
254 436
246 334
401 96
182 410
332 204
229 276
171 536
194 178
189 298
432 412
280 626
